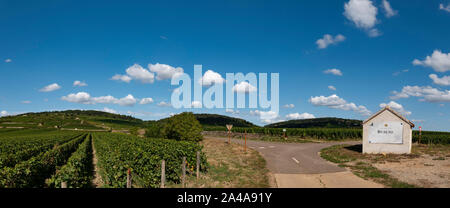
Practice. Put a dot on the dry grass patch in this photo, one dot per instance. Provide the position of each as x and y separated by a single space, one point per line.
230 167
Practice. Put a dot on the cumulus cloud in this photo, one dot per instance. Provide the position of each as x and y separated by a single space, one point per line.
335 102
267 117
211 77
331 87
164 104
328 40
289 106
244 87
299 116
137 72
397 107
79 83
231 111
146 101
81 97
389 12
361 12
85 98
8 60
26 102
164 71
3 113
51 87
123 78
445 8
336 72
109 110
439 61
444 81
129 100
196 104
425 93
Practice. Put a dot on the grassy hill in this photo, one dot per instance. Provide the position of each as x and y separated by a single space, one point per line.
71 119
318 123
210 120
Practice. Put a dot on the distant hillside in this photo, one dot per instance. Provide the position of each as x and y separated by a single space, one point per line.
318 122
81 119
221 120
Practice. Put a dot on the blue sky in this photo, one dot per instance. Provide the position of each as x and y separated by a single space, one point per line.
381 54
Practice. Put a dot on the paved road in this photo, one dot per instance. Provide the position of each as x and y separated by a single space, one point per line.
299 164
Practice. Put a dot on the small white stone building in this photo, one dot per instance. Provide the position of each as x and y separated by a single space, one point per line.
387 131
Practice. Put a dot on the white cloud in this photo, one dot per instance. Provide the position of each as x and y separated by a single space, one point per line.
211 77
388 9
51 87
109 110
361 12
328 40
129 100
79 83
137 72
267 116
164 71
289 106
447 8
299 116
163 37
26 102
336 72
397 107
146 101
196 104
164 104
426 93
104 99
232 111
8 60
123 78
444 81
439 61
331 87
3 113
244 87
335 102
85 98
81 97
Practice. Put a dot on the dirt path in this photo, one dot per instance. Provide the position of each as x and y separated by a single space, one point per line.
299 165
97 180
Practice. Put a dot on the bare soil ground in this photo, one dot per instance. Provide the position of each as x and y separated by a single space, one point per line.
97 180
427 166
431 168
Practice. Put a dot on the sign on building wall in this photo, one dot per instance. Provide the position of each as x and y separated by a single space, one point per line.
386 132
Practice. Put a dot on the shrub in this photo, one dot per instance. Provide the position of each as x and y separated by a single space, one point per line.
183 127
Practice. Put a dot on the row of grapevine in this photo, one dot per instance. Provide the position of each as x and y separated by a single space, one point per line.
333 133
28 147
77 173
116 153
33 172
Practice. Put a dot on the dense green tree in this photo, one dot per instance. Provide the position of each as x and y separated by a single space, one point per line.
183 127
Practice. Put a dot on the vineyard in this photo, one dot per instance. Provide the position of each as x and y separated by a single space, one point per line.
48 158
333 134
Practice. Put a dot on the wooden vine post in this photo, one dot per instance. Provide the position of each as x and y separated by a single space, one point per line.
129 178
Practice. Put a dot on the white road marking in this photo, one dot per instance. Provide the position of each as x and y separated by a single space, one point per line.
261 147
293 158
